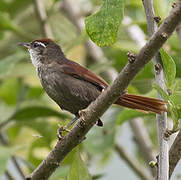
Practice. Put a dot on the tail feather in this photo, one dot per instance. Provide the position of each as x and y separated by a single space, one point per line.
142 103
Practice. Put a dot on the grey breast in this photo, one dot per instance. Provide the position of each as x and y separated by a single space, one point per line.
69 93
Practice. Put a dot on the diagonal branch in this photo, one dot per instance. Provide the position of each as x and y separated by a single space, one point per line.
144 142
96 109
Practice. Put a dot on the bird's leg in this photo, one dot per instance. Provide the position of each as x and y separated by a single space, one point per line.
66 128
72 122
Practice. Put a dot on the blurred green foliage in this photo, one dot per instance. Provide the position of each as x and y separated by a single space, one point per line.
29 118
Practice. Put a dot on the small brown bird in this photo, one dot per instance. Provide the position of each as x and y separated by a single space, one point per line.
72 86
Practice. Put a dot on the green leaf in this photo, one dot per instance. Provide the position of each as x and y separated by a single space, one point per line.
163 94
6 23
60 173
172 108
101 140
128 114
169 68
9 91
177 86
78 170
36 112
179 111
102 27
35 92
5 154
7 64
69 157
33 157
176 97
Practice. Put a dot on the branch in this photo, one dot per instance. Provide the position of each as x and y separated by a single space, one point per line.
96 109
8 175
175 153
41 14
18 167
163 161
143 140
132 163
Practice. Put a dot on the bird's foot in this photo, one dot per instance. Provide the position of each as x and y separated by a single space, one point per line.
60 131
72 122
82 114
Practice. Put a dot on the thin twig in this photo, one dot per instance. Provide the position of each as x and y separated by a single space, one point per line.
7 121
42 16
90 115
163 160
144 142
4 141
8 175
13 158
16 164
132 163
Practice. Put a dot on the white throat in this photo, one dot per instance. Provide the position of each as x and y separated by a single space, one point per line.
35 59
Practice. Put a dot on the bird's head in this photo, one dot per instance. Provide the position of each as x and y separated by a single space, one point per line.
43 51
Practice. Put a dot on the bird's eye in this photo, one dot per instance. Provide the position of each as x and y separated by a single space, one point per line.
35 45
39 44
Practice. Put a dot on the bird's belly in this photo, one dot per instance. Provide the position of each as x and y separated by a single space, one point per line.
69 93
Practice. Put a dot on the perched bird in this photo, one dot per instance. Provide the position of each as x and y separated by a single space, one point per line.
72 86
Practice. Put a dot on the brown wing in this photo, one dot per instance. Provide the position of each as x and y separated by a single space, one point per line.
127 100
83 73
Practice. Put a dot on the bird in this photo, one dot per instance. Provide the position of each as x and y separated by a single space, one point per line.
72 86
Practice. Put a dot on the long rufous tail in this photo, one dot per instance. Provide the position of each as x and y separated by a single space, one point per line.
142 103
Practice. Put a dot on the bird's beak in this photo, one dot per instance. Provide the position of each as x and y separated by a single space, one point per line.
26 45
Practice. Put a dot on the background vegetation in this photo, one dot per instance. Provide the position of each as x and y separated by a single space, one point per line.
29 118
